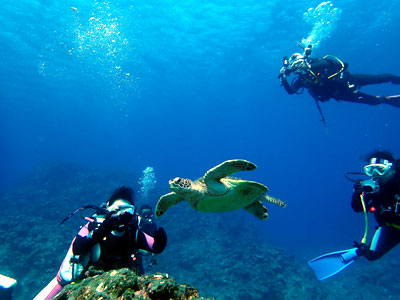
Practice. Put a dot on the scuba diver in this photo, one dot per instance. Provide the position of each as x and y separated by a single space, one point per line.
147 224
108 241
147 221
327 77
380 195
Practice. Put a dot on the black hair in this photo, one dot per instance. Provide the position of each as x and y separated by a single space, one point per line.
124 193
381 154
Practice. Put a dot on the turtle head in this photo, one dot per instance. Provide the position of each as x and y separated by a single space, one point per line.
180 185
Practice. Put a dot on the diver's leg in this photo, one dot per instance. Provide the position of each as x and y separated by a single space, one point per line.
361 97
393 100
385 238
375 100
366 79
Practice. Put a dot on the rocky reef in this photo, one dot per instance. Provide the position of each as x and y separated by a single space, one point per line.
124 284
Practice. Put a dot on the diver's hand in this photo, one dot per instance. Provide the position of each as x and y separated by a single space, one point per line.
362 248
282 72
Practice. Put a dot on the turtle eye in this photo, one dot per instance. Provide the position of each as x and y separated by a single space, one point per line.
177 182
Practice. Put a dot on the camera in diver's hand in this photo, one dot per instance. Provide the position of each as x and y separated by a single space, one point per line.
370 186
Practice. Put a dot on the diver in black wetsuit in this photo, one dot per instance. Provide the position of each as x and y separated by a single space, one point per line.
327 77
147 224
381 196
110 240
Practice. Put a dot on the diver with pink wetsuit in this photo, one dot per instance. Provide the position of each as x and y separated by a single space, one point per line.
110 240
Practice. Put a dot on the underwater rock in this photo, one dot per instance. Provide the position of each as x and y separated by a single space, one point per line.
124 284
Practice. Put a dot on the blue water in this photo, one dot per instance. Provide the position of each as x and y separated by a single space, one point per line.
184 85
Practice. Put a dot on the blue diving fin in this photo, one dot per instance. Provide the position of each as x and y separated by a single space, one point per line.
330 264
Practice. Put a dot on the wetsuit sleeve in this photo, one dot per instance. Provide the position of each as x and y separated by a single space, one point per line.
291 89
82 245
84 241
155 244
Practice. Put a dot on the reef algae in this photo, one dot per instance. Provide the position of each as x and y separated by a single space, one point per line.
124 284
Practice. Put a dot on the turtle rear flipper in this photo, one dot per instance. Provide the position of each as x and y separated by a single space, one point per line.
258 210
228 168
274 200
166 202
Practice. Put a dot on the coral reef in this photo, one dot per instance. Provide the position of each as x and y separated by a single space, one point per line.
124 284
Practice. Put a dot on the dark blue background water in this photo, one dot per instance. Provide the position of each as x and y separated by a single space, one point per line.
182 86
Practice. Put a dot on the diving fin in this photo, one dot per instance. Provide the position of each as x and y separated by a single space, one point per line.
330 264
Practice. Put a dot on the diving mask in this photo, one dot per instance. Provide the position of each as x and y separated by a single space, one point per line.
147 213
122 206
377 167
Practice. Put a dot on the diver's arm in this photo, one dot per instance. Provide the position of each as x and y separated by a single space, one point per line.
291 89
155 244
82 245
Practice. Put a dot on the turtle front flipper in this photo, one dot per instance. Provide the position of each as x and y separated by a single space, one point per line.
213 176
274 200
258 210
227 168
165 202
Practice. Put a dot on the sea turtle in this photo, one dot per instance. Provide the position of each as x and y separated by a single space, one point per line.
215 192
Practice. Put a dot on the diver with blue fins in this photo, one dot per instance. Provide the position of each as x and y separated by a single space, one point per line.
380 195
328 77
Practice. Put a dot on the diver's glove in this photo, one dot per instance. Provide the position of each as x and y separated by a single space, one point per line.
116 221
362 250
160 240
